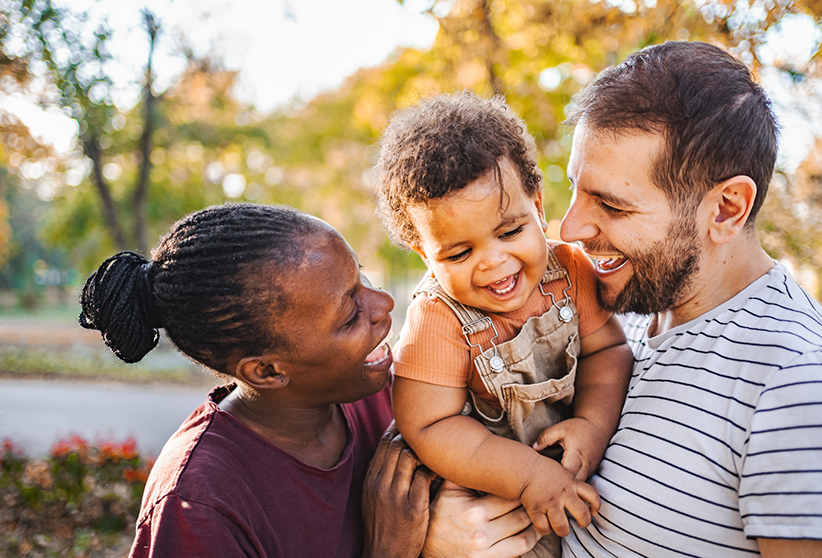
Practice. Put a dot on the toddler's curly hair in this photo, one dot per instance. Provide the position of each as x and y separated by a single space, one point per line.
439 146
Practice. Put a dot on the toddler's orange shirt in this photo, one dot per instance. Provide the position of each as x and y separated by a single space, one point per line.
432 348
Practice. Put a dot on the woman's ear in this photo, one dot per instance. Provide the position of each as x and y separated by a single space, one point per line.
262 372
730 202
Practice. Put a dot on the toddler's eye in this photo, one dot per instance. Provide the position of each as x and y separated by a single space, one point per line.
514 232
459 257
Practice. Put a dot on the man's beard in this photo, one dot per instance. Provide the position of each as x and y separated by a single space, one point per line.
661 273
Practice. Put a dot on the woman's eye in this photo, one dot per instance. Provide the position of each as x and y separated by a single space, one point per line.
458 257
512 233
354 319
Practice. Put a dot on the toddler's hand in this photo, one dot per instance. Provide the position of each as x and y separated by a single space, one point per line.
550 492
583 444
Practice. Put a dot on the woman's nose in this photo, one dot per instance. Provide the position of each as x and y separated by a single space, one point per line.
381 304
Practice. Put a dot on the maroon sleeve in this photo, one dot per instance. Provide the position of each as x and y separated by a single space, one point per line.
183 529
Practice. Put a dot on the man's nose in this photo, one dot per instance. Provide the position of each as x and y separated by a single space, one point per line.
577 223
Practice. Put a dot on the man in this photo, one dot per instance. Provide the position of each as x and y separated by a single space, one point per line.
718 449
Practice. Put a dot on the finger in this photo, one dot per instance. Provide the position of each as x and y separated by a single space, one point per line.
496 506
559 521
579 511
404 471
378 460
515 545
589 494
549 437
390 460
420 487
572 463
541 523
509 524
583 473
392 429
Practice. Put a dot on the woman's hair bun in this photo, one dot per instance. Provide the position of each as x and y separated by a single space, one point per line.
118 301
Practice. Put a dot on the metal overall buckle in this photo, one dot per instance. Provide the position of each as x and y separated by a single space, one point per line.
494 361
566 313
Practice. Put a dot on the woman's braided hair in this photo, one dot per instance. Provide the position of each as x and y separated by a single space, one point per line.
212 284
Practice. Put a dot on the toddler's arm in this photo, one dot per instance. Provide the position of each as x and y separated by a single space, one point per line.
462 450
603 373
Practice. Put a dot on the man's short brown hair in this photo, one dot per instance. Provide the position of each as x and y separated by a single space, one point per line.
717 122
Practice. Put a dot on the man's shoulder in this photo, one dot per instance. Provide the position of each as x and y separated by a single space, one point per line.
782 307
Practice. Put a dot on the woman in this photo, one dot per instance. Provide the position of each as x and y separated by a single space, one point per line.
274 463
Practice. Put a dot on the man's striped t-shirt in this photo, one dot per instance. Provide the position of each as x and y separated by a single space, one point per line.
720 440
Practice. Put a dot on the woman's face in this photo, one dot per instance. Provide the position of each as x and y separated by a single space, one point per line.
335 325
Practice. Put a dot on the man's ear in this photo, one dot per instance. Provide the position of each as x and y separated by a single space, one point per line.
262 372
730 204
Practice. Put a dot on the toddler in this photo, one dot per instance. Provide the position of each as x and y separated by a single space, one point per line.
504 339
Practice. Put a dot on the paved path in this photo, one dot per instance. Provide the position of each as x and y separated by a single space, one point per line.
36 413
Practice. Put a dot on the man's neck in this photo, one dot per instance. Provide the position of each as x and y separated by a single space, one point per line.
722 274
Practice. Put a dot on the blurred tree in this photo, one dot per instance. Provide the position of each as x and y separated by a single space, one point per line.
56 46
202 147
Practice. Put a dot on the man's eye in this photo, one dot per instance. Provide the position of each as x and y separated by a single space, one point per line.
365 281
612 210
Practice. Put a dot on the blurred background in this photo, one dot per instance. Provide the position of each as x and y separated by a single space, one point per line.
117 117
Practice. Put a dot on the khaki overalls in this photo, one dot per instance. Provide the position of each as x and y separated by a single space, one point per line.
532 375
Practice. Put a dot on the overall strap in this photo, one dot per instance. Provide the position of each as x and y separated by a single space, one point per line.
554 271
471 319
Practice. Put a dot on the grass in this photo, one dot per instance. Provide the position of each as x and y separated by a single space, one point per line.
48 342
84 363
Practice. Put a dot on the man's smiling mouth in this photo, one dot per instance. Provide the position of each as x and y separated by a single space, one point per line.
609 263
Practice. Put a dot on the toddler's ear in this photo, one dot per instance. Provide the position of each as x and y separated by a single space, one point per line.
418 249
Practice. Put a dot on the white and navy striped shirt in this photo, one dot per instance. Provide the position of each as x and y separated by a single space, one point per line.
720 440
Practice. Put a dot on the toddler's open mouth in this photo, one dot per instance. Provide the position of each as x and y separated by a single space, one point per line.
504 286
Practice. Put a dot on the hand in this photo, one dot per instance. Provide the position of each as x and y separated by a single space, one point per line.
464 525
550 491
395 500
583 444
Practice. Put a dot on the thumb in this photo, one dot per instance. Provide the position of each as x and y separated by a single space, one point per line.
549 437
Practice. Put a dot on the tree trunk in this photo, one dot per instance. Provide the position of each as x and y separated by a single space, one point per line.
493 47
92 151
141 189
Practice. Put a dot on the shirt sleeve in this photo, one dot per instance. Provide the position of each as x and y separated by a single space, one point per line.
592 316
184 529
780 487
431 347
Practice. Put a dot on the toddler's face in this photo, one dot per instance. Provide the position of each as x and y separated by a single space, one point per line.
485 254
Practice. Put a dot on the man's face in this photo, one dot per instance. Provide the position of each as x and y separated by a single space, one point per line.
646 255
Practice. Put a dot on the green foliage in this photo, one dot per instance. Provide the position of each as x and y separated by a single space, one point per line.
208 148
